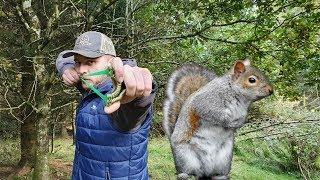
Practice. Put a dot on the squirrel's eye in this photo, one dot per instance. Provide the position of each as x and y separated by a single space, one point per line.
252 80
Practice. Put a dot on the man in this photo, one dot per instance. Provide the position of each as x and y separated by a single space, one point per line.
111 142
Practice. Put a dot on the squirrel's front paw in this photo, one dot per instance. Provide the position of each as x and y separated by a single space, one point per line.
237 123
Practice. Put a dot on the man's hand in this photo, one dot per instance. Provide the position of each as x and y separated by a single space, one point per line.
138 82
70 77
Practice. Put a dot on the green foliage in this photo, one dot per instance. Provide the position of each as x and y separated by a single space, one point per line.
284 155
282 135
280 37
317 163
9 128
9 151
156 129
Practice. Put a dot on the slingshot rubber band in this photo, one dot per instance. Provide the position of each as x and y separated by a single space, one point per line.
108 99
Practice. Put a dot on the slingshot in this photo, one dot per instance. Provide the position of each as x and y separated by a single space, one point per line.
108 99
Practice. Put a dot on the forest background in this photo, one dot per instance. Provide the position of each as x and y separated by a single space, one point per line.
280 37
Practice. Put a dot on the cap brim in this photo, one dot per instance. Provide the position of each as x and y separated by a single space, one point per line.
89 54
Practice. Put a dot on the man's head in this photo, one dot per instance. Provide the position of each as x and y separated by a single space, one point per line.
86 65
93 51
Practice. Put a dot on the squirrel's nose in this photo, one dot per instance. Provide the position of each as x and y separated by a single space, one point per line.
269 89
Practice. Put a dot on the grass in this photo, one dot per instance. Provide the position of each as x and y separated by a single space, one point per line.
160 162
161 165
242 170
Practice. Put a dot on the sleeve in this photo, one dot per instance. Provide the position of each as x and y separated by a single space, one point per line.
130 116
64 63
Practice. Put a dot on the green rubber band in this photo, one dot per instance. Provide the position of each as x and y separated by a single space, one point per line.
95 90
107 72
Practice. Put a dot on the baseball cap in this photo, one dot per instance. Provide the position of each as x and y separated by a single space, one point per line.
92 44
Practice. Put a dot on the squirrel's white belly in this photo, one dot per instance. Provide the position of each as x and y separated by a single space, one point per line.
214 149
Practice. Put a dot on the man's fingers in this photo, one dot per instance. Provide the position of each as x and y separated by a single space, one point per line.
75 75
112 108
118 68
71 76
139 81
66 80
147 78
129 81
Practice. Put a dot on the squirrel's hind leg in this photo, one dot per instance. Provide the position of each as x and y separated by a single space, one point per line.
216 177
222 177
204 178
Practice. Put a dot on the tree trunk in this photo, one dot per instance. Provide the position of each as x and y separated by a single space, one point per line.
41 169
28 142
63 130
28 127
43 109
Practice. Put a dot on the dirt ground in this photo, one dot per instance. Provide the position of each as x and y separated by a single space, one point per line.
59 170
5 171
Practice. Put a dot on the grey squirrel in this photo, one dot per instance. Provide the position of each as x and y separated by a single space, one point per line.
202 113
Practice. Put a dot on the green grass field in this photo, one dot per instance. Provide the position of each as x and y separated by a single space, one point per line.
161 163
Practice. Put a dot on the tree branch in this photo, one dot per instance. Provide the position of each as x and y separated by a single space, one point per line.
275 28
275 136
221 40
138 6
280 123
101 10
10 109
59 107
23 20
77 8
161 62
34 24
197 33
52 25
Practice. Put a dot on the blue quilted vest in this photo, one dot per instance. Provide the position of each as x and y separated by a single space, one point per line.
102 151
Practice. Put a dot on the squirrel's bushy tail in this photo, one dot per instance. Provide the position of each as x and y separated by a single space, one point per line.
182 83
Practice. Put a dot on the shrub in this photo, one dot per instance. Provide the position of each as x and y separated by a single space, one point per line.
283 135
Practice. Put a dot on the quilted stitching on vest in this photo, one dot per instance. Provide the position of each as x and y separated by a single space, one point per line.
103 152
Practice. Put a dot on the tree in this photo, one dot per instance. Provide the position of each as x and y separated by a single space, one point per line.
25 38
281 37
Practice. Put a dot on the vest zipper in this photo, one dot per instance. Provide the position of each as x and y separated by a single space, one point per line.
107 174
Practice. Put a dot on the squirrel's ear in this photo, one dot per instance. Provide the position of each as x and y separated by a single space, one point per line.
238 69
246 62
